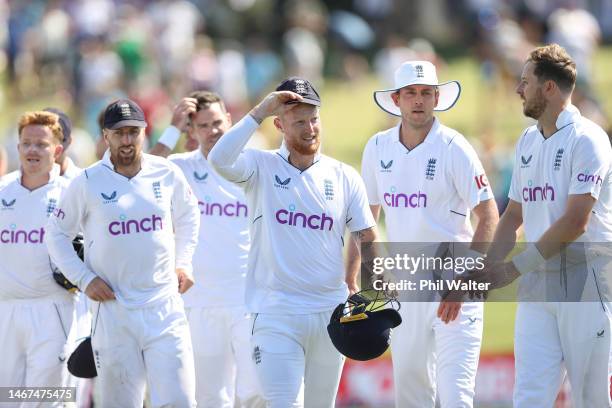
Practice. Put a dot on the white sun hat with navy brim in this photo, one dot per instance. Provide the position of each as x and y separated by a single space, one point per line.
418 73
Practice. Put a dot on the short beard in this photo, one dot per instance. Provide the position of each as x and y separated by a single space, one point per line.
304 150
122 161
536 107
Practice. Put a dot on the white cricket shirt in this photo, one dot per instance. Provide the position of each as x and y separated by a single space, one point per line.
427 192
220 258
298 219
136 231
574 160
25 268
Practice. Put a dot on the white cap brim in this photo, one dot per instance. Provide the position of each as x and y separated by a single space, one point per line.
449 94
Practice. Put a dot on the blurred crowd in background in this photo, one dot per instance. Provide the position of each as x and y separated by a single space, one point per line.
81 54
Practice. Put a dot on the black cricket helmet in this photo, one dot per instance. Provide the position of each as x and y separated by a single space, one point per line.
81 362
360 328
58 276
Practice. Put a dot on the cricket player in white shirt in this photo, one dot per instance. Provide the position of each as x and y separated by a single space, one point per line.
220 326
68 169
560 193
300 204
140 222
37 318
427 179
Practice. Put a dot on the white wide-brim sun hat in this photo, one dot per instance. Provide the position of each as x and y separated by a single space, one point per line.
418 73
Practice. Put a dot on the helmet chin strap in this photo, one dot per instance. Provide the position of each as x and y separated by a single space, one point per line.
370 300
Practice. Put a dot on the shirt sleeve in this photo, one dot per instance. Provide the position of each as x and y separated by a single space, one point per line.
228 156
358 214
63 226
368 168
468 174
590 165
186 221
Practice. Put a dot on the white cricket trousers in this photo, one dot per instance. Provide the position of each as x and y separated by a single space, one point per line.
552 337
36 340
149 345
427 352
296 362
222 351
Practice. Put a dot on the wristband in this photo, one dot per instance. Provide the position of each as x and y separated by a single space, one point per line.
170 137
529 260
255 119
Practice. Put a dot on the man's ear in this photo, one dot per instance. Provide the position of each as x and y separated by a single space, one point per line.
395 98
58 151
278 124
550 86
105 136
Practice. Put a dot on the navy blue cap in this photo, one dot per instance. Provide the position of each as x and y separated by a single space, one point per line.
122 113
301 87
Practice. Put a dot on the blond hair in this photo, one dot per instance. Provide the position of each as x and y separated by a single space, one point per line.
51 120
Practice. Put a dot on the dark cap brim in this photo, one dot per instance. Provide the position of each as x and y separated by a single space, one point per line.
307 101
311 102
128 122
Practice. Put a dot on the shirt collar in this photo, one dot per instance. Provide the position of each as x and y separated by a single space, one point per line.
430 138
568 115
106 160
53 174
199 155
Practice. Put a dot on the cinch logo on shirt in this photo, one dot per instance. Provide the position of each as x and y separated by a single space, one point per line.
15 236
415 200
59 213
126 227
545 193
590 178
228 210
299 219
